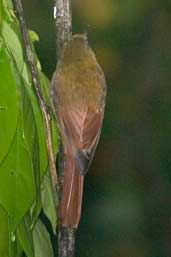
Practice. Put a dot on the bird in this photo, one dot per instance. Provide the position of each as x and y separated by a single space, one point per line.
78 91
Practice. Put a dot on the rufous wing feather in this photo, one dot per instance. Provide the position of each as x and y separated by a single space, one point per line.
82 131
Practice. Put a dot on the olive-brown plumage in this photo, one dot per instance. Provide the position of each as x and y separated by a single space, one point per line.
78 91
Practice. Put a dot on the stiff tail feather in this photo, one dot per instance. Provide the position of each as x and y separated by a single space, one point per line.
71 201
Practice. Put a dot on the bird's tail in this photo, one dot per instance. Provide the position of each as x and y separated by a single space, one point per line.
71 200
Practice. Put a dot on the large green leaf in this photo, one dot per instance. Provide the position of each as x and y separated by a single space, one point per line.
48 201
14 45
18 191
42 244
9 104
4 234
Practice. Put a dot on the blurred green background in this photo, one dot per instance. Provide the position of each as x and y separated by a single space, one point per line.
127 197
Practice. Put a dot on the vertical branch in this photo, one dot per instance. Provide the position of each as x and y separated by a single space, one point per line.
36 83
66 239
63 22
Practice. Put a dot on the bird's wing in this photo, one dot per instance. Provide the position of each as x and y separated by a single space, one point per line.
81 129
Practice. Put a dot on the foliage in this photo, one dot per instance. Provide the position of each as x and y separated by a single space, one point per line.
25 185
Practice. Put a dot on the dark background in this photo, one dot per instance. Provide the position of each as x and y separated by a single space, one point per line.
127 198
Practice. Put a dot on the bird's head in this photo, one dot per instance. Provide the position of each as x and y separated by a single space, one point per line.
76 49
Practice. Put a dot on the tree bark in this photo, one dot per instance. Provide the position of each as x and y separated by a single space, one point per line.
63 22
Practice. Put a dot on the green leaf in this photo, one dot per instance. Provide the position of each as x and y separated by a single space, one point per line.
48 201
13 43
31 139
4 233
42 243
17 172
9 104
30 130
33 36
40 129
25 236
23 145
